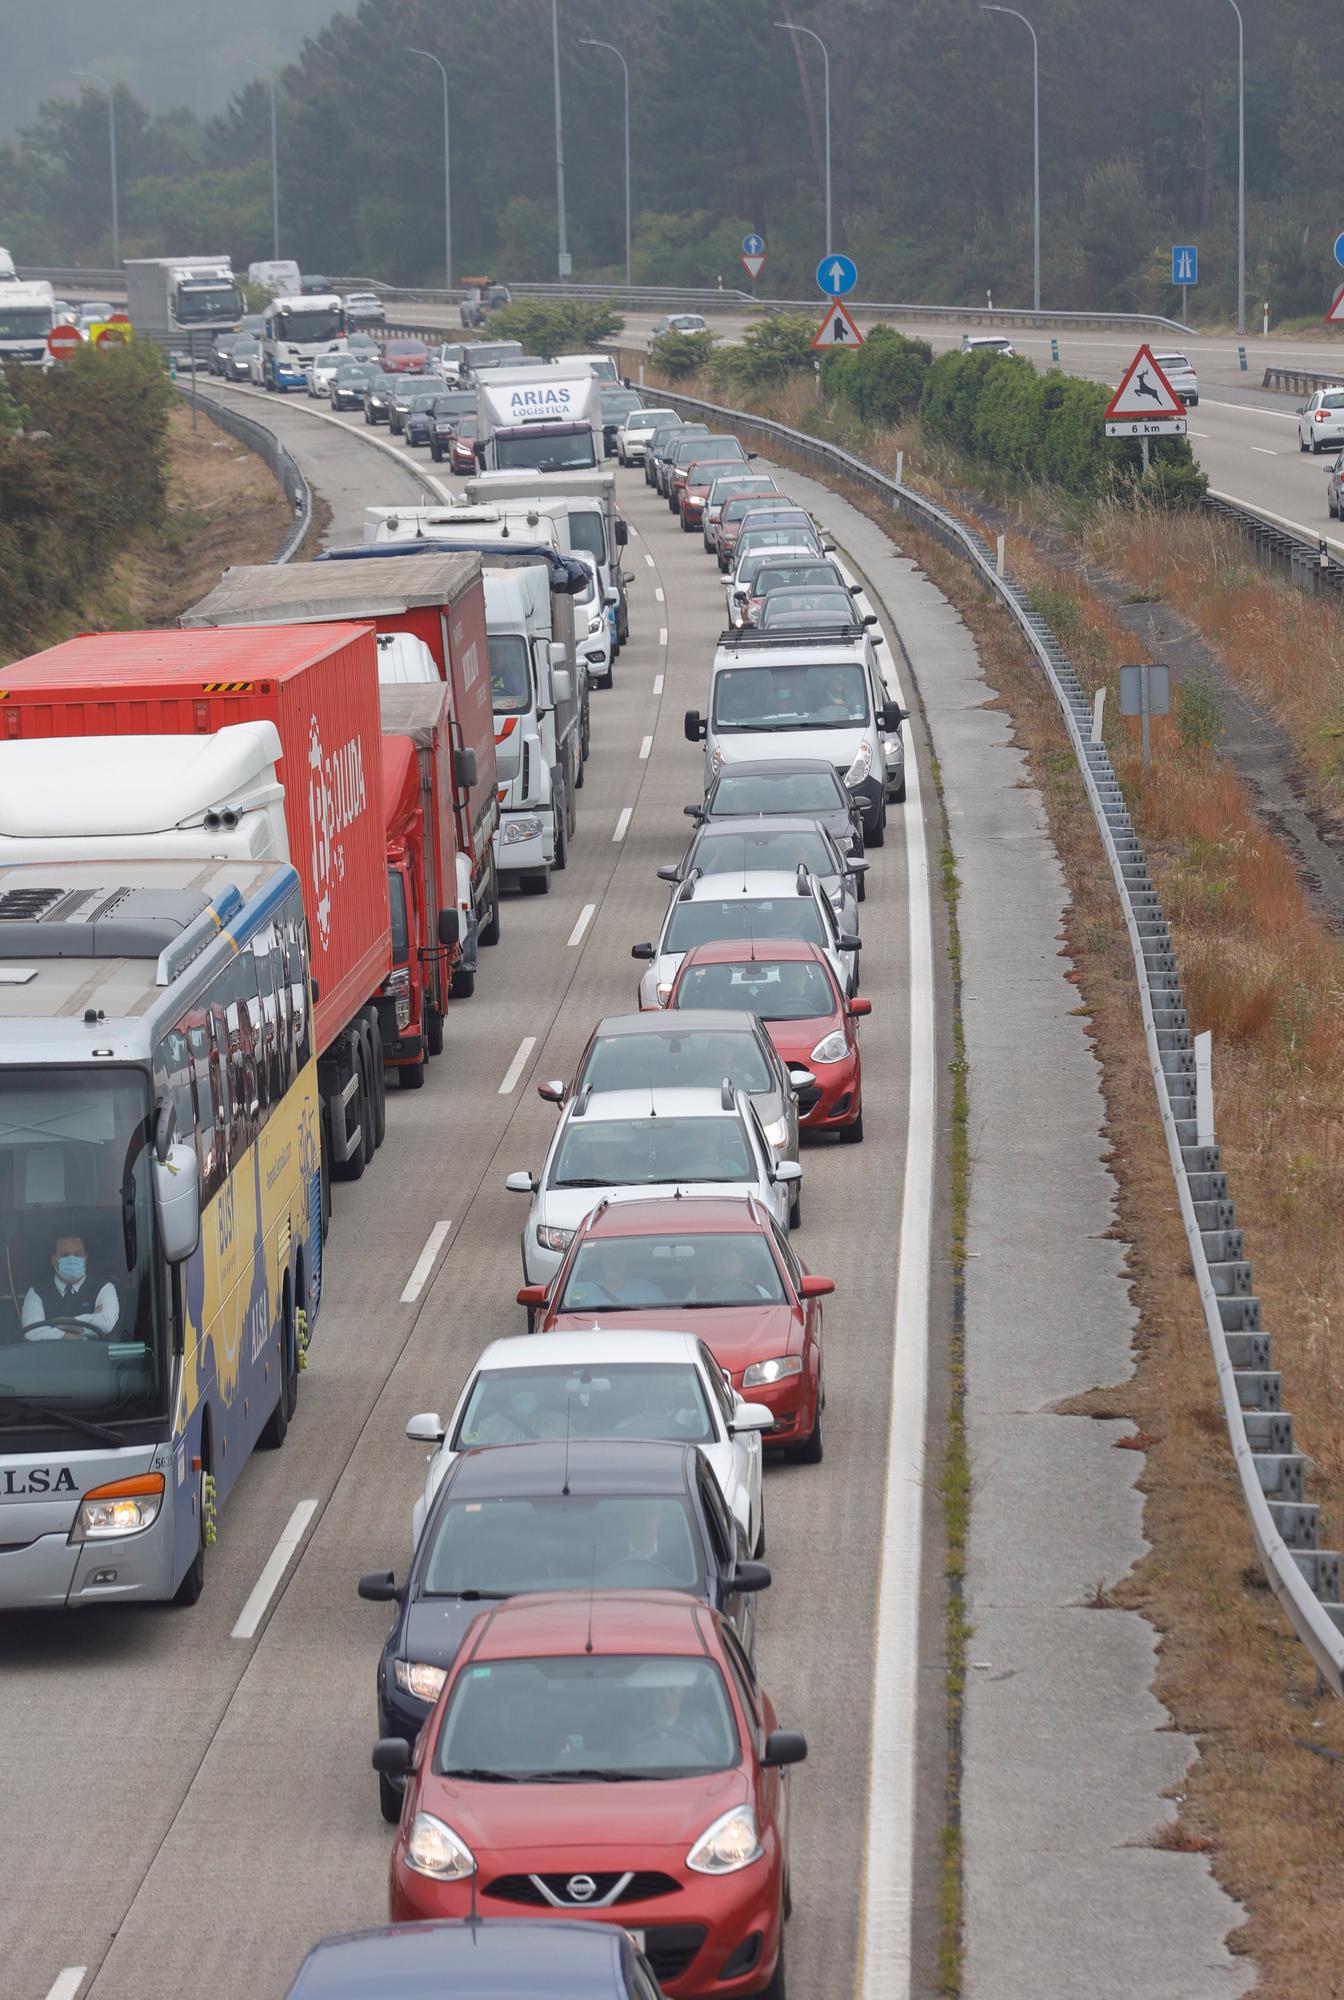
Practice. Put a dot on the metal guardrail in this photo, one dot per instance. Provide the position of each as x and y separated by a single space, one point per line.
1299 381
268 447
1305 1578
1309 564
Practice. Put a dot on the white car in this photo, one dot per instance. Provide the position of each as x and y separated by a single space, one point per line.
364 309
603 1384
321 371
594 643
1320 421
634 432
987 343
1182 377
767 904
681 323
634 1145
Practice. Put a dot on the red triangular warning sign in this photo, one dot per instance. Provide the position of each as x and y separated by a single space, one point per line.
1335 316
838 328
1144 391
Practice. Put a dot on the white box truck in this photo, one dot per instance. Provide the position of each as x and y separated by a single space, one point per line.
183 295
588 500
544 419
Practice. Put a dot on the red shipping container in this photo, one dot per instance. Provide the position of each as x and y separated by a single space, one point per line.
319 685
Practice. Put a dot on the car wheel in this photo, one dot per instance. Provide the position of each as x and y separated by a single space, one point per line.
876 835
436 454
389 1799
861 893
852 1135
759 1549
776 1990
898 795
561 848
796 1206
536 885
812 1450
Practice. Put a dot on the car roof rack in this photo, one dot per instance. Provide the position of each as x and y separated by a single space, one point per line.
818 635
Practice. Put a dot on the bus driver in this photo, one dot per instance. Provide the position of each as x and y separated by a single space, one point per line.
72 1306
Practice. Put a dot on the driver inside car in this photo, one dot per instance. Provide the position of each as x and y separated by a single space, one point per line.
72 1305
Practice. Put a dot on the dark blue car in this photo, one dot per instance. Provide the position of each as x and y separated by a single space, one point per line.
478 1961
609 1514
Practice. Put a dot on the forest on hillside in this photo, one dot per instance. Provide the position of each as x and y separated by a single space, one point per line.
931 114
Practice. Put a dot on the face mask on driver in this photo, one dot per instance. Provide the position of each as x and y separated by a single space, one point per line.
71 1269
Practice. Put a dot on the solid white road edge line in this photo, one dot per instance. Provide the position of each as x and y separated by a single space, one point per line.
424 1263
645 747
67 1983
277 1563
657 683
515 1068
622 823
586 915
886 1921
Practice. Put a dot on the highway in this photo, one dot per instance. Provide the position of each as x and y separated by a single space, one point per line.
195 1785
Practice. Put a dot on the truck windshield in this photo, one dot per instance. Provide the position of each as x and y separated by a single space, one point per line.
510 683
200 304
317 323
25 322
830 696
588 532
396 896
569 453
79 1292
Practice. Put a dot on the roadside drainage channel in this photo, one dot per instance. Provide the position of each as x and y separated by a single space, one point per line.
1305 1578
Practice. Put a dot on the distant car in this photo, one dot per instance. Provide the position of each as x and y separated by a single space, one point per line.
807 786
1320 421
617 404
1181 376
483 296
404 357
768 904
1334 492
322 370
365 309
701 474
687 451
362 345
446 360
90 313
736 483
221 347
810 611
349 382
284 372
660 445
448 412
638 427
987 343
462 448
416 392
420 417
473 1961
378 393
237 363
680 323
780 841
761 510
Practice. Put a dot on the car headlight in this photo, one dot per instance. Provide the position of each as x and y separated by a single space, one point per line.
862 765
435 1850
774 1370
831 1048
526 827
123 1507
893 750
418 1678
731 1843
557 1240
716 760
664 988
777 1132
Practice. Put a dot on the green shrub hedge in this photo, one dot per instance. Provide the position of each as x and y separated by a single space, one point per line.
767 354
679 355
883 380
555 326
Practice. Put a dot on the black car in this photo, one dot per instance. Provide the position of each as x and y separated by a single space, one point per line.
448 411
380 392
479 1961
662 458
237 363
770 785
349 383
413 390
558 1514
656 444
220 349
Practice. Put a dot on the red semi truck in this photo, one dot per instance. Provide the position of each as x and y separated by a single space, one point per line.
436 597
421 869
293 770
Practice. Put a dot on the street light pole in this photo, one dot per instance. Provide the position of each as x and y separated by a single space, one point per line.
562 243
1241 169
447 172
1036 144
590 43
269 75
109 93
796 28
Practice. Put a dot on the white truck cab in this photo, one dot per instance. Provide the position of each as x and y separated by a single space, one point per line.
296 331
27 315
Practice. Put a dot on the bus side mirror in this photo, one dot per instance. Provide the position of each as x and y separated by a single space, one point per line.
177 1202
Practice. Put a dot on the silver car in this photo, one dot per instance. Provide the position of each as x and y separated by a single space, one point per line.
1320 421
634 1145
783 841
776 904
1182 377
633 435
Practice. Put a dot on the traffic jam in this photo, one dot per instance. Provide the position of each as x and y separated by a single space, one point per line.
253 870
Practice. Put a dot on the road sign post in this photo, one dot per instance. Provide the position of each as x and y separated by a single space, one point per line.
753 258
1145 691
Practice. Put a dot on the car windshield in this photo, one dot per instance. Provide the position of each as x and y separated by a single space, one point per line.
757 546
466 426
651 1152
406 350
618 402
355 371
705 472
396 896
572 452
244 345
676 1273
454 405
807 607
778 990
560 1542
25 322
732 850
598 1716
723 489
639 1399
79 1297
646 420
832 695
1171 361
706 920
756 518
792 576
778 791
510 682
689 1060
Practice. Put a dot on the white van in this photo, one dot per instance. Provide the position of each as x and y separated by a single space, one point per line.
8 275
276 275
603 366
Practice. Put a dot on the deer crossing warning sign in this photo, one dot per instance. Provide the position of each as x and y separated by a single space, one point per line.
1145 404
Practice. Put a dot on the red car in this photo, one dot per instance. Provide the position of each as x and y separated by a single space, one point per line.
695 492
404 357
510 1802
711 1265
789 984
462 449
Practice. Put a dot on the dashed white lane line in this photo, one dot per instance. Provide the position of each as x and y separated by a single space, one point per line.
277 1563
585 918
658 593
623 823
515 1068
424 1263
662 635
1263 450
67 1983
649 559
657 683
645 748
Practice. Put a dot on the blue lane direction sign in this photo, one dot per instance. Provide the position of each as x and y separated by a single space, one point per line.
753 246
836 275
1339 249
1185 263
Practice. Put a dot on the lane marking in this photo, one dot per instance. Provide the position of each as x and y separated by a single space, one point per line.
586 915
1263 450
645 748
515 1068
1198 434
67 1984
622 823
649 559
658 593
657 683
276 1564
424 1263
662 635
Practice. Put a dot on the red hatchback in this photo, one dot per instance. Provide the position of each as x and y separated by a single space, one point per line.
714 1266
790 986
611 1758
404 357
695 492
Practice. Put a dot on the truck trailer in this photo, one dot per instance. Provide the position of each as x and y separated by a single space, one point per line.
421 869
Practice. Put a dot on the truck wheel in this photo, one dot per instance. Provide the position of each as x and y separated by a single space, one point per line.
377 1078
489 932
561 849
464 984
411 1076
433 1030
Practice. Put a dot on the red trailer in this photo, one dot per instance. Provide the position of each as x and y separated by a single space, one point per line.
318 685
421 870
436 597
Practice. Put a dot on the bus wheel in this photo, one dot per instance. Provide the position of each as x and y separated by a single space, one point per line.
193 1583
276 1429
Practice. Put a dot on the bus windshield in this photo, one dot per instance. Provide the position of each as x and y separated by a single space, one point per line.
313 323
79 1294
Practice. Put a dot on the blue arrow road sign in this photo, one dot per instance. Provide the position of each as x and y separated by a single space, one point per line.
1339 249
837 275
753 246
1185 263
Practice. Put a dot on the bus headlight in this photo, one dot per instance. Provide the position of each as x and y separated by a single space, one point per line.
122 1507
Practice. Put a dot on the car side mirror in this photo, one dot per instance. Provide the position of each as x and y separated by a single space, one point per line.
750 1577
392 1755
669 872
802 1079
694 812
856 590
786 1173
642 951
816 1288
552 1092
858 1008
784 1746
693 725
877 640
379 1586
426 1428
532 1295
751 1417
520 1183
828 549
847 941
893 715
751 454
450 928
870 618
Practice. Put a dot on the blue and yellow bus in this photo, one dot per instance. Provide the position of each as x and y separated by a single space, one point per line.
162 1207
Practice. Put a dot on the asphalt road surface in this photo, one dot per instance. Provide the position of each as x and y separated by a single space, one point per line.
188 1809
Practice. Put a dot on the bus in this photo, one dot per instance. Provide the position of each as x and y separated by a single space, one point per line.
162 1207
